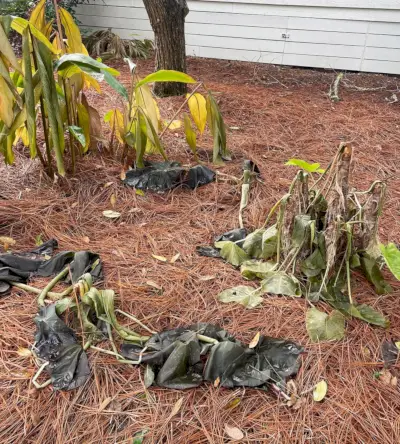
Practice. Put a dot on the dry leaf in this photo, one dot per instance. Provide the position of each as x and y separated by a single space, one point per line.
154 285
113 200
207 278
291 387
7 242
35 418
366 352
298 404
176 408
75 204
111 214
234 403
123 175
254 341
86 239
175 258
387 378
104 404
25 352
233 432
216 382
320 390
108 184
160 258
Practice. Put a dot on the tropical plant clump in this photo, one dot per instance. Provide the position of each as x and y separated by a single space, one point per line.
52 77
324 230
108 45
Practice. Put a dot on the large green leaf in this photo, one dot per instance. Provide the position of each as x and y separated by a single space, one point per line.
373 273
154 136
19 24
252 244
78 134
301 229
323 327
232 253
256 269
279 282
314 264
29 93
217 127
165 75
391 254
247 296
309 167
117 86
84 60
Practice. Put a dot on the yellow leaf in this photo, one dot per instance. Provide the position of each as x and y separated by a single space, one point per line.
145 100
90 81
254 341
86 239
24 352
175 124
84 50
397 344
113 200
47 29
217 381
233 404
320 390
123 175
160 258
175 258
6 103
108 184
7 51
37 17
19 24
190 134
71 31
198 110
116 121
139 192
234 433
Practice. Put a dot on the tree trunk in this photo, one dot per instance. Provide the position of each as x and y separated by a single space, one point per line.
167 18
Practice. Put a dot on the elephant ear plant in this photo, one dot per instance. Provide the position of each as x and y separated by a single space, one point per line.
141 127
47 87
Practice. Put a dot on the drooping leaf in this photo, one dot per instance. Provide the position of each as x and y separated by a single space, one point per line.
323 327
232 253
6 103
254 269
269 242
29 91
117 86
247 296
279 282
7 51
391 254
309 167
190 134
19 24
71 31
78 133
217 127
82 60
153 137
314 264
320 391
374 275
253 244
144 99
166 76
198 109
301 229
37 17
115 119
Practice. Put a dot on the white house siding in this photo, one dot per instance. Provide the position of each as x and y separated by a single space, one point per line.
360 35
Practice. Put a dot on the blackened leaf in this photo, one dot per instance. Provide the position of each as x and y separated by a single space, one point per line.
279 282
391 254
323 327
256 269
208 251
232 253
390 353
372 272
247 296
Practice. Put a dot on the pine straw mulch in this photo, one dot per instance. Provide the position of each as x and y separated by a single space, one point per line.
281 113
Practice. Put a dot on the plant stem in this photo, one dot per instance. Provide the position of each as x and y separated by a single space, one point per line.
51 295
180 109
50 285
136 320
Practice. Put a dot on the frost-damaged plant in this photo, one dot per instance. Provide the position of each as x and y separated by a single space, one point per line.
139 126
51 77
324 230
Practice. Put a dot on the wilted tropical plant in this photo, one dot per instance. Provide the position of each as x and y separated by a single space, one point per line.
140 125
107 45
51 76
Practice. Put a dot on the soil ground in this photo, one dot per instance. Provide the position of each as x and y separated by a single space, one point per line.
273 114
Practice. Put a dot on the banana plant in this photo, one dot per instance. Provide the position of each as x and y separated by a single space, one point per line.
140 126
48 84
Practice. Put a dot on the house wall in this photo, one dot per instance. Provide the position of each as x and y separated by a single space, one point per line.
360 35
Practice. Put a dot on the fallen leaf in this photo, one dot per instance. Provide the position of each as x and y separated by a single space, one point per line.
320 390
216 382
111 214
139 192
234 403
176 408
386 377
323 327
366 352
209 278
247 296
160 258
299 402
104 404
7 242
108 184
75 204
175 258
25 352
154 285
35 418
233 432
113 200
123 175
139 437
86 239
254 341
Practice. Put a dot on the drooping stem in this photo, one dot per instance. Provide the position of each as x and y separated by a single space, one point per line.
50 285
51 295
244 200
